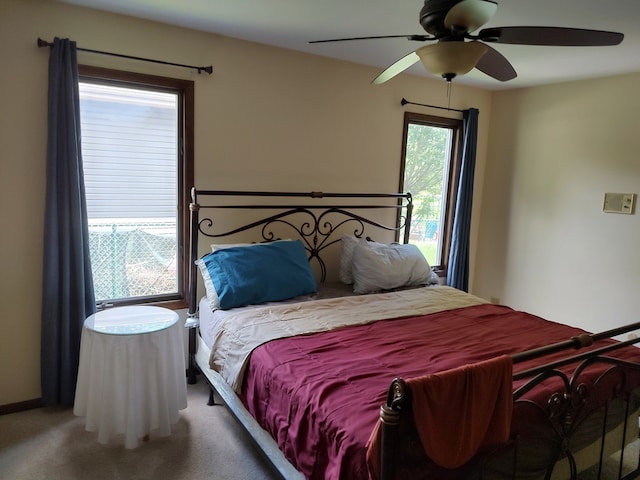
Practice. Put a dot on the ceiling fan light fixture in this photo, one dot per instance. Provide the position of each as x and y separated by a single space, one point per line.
449 59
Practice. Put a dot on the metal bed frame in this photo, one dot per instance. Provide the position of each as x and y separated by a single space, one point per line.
319 224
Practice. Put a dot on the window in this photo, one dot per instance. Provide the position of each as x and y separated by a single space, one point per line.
430 169
138 168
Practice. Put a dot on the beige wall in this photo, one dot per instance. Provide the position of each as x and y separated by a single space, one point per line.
276 119
545 244
266 119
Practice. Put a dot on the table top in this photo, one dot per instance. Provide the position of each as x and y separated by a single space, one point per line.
131 320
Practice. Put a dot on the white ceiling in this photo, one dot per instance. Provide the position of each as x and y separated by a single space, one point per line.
292 23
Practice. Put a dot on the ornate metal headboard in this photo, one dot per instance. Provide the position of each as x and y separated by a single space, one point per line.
317 223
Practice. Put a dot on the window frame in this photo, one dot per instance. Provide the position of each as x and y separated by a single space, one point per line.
185 167
455 162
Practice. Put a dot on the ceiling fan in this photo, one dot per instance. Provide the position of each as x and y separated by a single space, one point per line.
456 50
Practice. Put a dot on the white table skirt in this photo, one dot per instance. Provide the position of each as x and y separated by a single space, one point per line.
131 384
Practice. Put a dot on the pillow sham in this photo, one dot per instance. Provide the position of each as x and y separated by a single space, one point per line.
266 272
378 266
347 245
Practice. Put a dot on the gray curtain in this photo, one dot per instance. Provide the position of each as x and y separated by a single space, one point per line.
458 269
67 291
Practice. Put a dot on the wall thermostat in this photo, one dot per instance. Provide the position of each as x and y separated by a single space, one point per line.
619 203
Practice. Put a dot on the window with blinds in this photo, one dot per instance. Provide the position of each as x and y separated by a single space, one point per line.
131 138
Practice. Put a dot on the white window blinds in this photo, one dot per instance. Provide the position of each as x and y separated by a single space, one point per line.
129 148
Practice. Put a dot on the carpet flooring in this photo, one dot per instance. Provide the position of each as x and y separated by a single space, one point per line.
206 443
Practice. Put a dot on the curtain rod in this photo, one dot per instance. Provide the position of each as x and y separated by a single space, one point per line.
209 69
405 101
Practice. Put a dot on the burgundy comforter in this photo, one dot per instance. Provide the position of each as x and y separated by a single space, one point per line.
319 395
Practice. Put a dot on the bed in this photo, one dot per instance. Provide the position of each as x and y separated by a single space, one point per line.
379 371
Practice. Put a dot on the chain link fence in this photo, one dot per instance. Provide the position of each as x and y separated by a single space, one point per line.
133 259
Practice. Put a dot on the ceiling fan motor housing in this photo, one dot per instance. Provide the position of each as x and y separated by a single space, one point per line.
433 13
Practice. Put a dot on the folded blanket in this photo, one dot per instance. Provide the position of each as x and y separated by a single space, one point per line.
458 412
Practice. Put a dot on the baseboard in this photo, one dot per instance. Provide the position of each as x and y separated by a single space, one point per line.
21 406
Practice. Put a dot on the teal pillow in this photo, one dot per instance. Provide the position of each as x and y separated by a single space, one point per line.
267 272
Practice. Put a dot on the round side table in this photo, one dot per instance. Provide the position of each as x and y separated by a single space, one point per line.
131 376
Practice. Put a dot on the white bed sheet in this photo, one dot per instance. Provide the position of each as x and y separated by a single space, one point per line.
210 320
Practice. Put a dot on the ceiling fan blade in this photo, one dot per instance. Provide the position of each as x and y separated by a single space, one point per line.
469 15
415 38
550 36
398 67
494 64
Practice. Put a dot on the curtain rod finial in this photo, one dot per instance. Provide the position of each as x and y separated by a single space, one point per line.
208 69
43 43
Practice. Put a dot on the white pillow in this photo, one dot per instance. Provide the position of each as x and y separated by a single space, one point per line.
378 266
209 287
348 244
222 246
